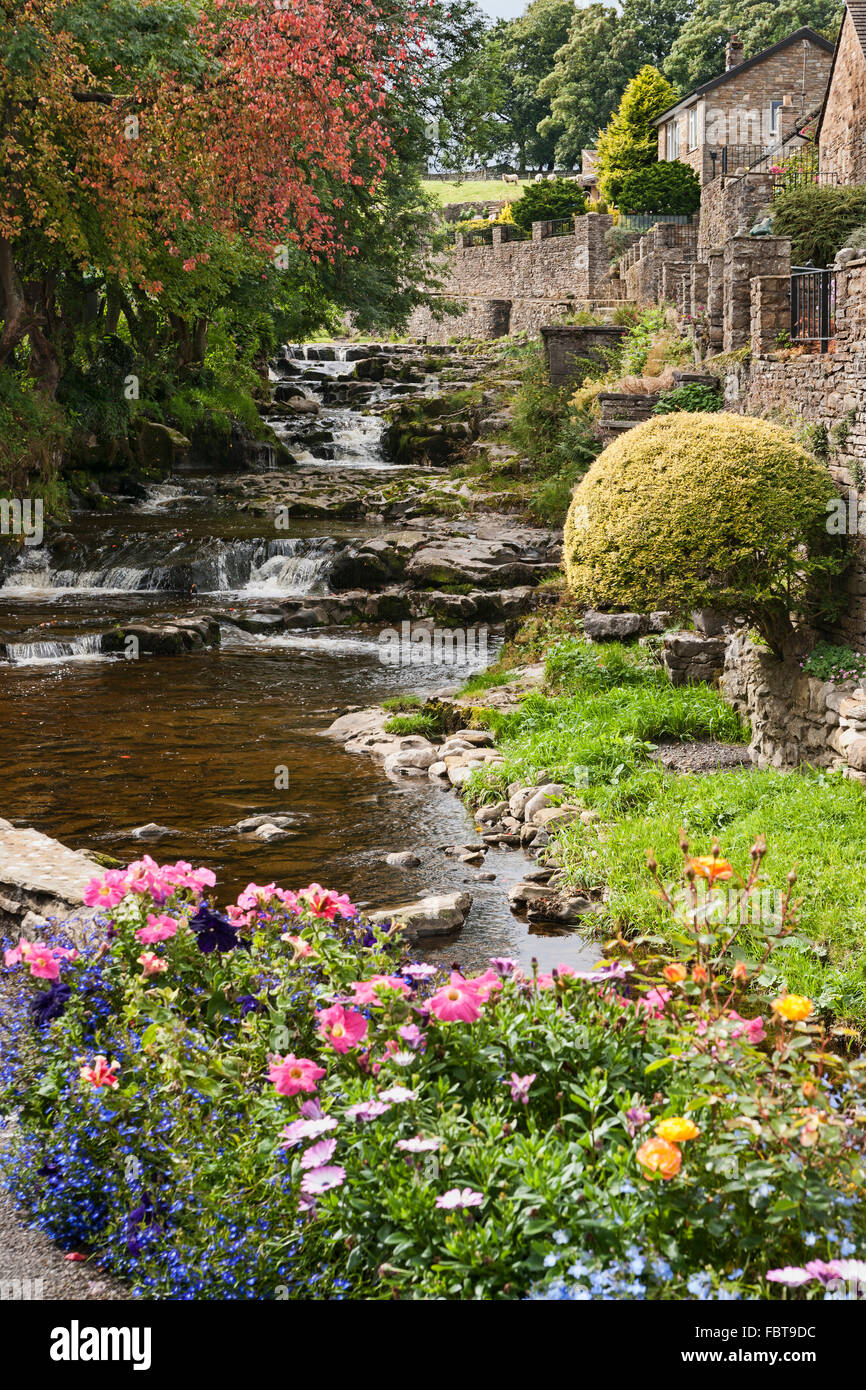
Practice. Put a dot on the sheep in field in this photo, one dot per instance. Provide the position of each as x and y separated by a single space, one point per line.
511 178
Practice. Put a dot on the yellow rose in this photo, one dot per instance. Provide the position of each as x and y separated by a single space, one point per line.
793 1007
677 1129
674 973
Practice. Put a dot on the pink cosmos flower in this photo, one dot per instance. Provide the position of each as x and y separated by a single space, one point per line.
341 1028
102 1073
520 1086
293 1074
457 1199
322 1180
106 891
456 1001
324 902
299 1130
367 992
419 1145
319 1154
152 964
159 928
368 1110
397 1094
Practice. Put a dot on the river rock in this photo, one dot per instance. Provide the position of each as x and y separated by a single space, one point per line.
403 859
42 876
546 795
438 772
151 831
526 892
560 909
486 815
255 822
553 818
518 799
411 760
271 833
438 915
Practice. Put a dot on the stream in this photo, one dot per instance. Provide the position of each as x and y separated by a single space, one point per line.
94 745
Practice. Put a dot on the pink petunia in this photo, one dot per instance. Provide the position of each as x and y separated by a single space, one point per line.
318 1155
102 1073
411 1034
299 945
324 902
485 985
41 961
106 891
342 1028
322 1180
367 992
293 1074
152 964
456 1002
159 928
459 1198
256 896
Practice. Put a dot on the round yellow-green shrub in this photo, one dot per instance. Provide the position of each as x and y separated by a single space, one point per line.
708 511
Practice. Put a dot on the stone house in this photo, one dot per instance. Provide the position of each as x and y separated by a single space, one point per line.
755 104
842 125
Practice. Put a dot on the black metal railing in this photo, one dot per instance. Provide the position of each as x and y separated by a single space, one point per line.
734 157
511 232
645 221
798 178
483 236
813 306
561 226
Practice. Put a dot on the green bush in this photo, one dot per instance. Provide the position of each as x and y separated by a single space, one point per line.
33 432
548 202
630 140
671 187
693 397
819 219
699 511
829 663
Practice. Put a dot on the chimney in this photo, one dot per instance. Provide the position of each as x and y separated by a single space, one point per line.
734 53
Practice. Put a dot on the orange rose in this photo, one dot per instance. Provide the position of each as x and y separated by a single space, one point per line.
677 1129
658 1156
674 973
793 1007
740 972
701 975
710 868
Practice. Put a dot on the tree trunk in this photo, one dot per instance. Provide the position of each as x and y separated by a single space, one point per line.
16 312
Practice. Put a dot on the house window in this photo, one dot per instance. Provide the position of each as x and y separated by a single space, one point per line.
776 118
673 140
693 128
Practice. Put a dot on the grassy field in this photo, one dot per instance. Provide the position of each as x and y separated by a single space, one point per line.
593 730
473 190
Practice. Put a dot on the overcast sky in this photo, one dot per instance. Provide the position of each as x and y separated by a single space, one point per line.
503 9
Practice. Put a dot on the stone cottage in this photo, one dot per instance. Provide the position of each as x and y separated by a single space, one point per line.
842 126
752 106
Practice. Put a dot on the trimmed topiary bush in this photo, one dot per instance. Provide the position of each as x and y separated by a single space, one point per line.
708 511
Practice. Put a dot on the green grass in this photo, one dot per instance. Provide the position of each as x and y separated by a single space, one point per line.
473 190
603 711
401 704
428 725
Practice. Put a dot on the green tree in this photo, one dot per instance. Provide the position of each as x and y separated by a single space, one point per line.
525 50
657 26
588 78
698 54
630 140
671 187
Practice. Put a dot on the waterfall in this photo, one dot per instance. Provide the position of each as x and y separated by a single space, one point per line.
35 653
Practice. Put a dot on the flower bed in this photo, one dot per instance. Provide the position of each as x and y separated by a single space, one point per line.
278 1102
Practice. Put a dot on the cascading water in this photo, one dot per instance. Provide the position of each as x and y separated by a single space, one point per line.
94 745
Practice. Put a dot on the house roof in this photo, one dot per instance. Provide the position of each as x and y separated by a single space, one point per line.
797 37
857 11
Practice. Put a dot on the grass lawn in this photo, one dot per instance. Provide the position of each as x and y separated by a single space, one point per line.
594 729
473 190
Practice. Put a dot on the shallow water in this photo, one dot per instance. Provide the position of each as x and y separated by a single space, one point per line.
94 746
